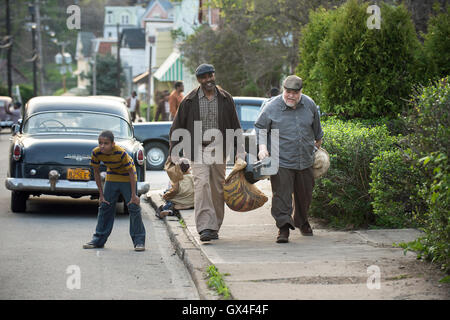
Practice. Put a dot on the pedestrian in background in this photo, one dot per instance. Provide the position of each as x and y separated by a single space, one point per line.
296 117
175 98
134 106
274 92
215 108
163 108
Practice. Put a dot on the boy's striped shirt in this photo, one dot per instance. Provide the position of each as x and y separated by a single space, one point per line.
117 163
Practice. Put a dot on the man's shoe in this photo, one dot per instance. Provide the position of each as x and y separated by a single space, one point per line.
306 230
283 235
91 245
139 247
215 235
208 235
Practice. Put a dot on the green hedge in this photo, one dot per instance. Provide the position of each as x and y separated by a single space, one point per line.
394 187
342 195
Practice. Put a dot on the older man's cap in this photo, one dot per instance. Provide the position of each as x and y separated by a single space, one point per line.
293 82
204 68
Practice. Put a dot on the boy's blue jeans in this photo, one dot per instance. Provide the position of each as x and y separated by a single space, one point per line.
106 213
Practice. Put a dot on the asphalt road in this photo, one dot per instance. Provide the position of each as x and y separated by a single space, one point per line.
41 255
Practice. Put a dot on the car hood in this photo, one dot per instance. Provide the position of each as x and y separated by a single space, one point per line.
73 150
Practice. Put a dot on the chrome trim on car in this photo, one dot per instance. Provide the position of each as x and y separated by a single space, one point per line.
77 157
43 185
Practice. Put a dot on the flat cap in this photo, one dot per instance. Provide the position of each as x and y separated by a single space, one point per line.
293 82
204 68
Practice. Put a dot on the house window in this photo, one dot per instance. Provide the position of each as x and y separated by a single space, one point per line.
110 17
125 19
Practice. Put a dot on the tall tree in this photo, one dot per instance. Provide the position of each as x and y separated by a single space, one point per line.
106 76
255 43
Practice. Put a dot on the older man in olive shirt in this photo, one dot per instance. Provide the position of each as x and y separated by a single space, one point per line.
296 117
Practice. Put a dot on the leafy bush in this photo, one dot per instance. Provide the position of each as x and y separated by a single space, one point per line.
429 120
436 242
429 140
394 188
342 195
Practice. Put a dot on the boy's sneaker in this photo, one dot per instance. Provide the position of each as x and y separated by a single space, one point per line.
91 245
139 247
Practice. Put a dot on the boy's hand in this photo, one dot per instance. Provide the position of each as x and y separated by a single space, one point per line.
102 199
135 199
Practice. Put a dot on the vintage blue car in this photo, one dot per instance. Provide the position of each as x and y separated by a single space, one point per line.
51 148
155 135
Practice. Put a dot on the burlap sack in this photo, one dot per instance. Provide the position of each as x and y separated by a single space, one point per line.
173 171
239 194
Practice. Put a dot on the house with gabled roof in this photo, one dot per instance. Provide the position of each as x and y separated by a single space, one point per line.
158 9
126 17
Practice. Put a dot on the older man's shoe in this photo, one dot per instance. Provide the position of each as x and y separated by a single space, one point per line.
283 235
306 230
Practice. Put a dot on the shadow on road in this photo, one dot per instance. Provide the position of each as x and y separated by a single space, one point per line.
65 207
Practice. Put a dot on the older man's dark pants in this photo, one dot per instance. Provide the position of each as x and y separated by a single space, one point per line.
291 192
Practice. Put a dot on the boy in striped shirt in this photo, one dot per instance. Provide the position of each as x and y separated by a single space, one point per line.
121 178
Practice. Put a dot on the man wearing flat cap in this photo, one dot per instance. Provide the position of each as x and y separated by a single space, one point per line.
213 109
296 117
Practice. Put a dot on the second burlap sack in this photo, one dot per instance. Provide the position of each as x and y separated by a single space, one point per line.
239 194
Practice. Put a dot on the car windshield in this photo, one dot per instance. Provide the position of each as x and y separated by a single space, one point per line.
76 122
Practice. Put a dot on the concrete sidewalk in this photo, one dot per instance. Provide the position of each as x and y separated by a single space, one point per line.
329 265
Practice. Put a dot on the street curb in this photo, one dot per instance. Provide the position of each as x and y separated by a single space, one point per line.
191 255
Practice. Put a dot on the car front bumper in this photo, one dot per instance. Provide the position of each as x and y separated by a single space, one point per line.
65 187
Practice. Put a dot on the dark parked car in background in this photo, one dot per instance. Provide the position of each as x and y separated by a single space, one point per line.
155 135
51 149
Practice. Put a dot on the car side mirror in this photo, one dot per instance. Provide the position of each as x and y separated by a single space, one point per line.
15 129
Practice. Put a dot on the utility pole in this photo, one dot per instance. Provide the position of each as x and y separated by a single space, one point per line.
9 49
33 42
200 12
40 55
151 40
63 59
119 40
94 67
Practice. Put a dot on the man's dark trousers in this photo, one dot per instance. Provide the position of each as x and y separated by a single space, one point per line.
291 192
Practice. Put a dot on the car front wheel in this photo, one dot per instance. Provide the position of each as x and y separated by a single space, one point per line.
156 154
18 201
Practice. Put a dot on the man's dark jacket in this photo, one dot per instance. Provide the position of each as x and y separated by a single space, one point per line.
189 111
